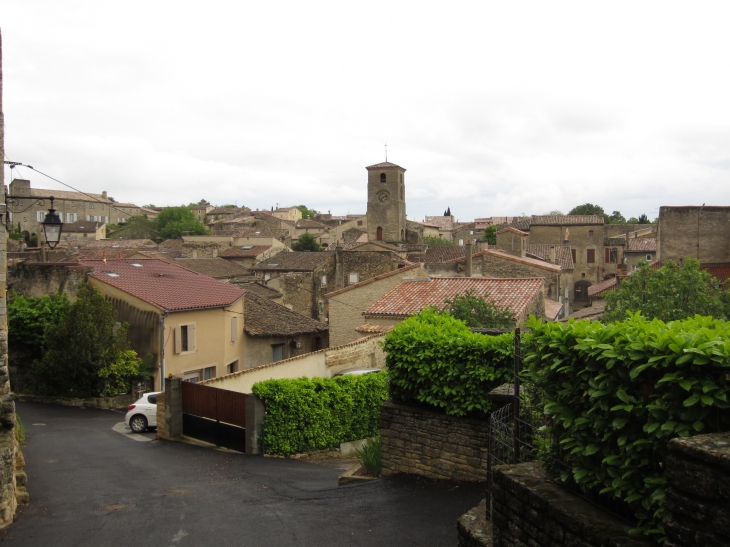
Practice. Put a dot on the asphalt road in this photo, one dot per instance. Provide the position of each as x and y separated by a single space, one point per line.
91 485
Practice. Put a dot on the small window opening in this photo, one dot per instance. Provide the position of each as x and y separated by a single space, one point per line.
382 177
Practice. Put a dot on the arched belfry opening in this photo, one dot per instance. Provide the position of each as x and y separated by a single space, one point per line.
380 233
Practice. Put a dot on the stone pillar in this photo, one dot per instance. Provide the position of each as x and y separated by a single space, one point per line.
254 423
170 415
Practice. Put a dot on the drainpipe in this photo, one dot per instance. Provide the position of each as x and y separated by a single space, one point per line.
339 273
162 351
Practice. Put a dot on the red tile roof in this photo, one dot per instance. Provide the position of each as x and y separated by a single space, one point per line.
642 245
719 270
262 317
603 287
565 220
563 256
552 309
294 261
384 165
217 268
513 230
523 260
243 252
166 286
411 296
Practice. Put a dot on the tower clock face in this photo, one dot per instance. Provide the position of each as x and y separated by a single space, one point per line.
383 196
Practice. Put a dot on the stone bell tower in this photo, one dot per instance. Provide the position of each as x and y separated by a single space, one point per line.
386 203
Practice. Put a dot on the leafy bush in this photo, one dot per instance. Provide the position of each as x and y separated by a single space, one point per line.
29 317
20 435
479 311
618 393
369 456
313 413
435 360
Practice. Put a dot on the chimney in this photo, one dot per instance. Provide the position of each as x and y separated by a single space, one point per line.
467 248
523 247
339 270
103 194
552 255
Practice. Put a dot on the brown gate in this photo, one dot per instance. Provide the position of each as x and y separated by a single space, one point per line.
214 415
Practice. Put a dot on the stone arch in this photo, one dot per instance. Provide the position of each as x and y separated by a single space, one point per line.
379 233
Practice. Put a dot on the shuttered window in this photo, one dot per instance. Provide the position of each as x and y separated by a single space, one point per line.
234 329
185 338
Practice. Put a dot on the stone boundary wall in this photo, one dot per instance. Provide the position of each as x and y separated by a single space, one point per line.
527 509
104 403
698 473
428 443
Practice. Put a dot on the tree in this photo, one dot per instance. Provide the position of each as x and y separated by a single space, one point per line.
555 212
590 209
136 227
616 218
478 312
433 241
643 219
306 242
490 235
86 351
307 213
175 222
674 291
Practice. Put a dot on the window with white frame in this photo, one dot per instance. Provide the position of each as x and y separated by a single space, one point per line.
192 376
648 258
40 216
185 338
91 205
324 281
208 373
10 216
71 217
354 277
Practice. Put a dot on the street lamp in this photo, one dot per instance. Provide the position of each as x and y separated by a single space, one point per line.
52 227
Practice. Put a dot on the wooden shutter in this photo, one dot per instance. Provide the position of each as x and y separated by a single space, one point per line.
192 346
234 329
178 340
606 255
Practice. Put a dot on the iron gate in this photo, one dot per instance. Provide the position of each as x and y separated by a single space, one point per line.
214 415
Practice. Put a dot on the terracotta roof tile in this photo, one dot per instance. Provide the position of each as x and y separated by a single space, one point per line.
523 260
374 329
719 270
68 195
443 222
563 256
250 251
565 220
642 245
166 286
146 244
552 309
384 165
311 224
261 290
294 261
80 227
441 254
603 287
513 230
213 267
411 296
262 317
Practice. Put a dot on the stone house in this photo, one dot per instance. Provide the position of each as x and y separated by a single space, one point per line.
28 210
274 332
346 306
640 249
288 213
201 211
693 231
83 230
121 212
248 255
190 324
523 297
445 225
302 278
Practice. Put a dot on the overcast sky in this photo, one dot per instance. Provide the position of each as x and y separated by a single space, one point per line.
494 108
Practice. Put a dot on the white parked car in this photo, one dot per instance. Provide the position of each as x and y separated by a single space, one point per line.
143 413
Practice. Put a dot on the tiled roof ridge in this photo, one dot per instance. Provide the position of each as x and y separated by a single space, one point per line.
512 229
538 263
384 165
372 279
289 359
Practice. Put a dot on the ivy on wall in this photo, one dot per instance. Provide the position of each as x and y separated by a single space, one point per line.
618 393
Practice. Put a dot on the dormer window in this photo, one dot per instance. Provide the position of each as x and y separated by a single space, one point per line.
382 177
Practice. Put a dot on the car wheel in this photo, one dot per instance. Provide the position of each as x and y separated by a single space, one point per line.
138 423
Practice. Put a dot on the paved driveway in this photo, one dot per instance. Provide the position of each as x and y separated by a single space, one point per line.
91 485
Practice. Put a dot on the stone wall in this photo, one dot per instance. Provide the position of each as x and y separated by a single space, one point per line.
529 510
33 279
497 266
105 403
683 229
367 264
346 305
698 473
431 444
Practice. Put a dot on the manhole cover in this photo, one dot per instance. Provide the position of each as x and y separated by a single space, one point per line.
116 507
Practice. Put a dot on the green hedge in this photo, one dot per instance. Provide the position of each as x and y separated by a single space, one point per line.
618 393
312 413
434 359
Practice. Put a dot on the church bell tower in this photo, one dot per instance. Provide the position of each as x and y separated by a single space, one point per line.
386 203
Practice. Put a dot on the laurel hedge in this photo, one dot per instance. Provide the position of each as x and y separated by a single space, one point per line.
618 393
435 360
305 414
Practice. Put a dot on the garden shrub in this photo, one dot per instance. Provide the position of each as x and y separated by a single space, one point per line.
618 393
435 360
313 413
